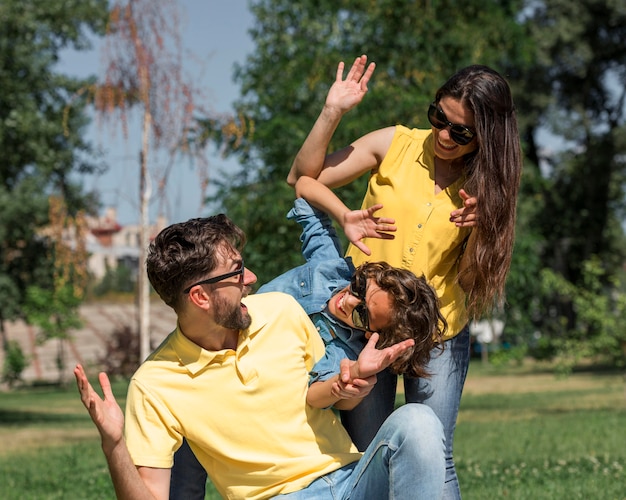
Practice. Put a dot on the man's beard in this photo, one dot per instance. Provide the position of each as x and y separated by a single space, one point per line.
230 316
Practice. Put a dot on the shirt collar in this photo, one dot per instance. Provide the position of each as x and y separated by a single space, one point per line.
195 358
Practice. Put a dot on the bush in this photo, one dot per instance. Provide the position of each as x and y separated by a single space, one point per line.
15 362
122 352
118 279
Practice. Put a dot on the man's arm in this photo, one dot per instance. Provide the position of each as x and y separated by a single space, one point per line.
129 481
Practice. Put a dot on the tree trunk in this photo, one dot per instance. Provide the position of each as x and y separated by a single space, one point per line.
145 189
3 334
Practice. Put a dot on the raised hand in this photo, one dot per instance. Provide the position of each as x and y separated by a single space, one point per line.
372 361
105 413
466 216
346 94
357 378
359 224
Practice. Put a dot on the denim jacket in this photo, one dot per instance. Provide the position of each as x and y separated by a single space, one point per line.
314 283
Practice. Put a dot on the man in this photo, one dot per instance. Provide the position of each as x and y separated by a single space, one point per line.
393 302
233 380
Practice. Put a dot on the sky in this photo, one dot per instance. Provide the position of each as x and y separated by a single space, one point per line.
216 31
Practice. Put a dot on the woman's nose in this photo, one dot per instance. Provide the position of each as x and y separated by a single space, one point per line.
446 133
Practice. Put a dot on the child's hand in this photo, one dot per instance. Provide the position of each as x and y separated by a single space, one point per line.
347 388
359 224
372 360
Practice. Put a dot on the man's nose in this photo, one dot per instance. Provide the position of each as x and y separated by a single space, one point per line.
248 277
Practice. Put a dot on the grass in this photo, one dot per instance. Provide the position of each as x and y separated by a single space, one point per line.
528 435
522 434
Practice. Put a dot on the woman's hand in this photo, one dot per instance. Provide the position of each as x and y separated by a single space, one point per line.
466 216
359 224
346 94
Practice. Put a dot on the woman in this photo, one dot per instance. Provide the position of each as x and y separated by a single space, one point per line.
452 190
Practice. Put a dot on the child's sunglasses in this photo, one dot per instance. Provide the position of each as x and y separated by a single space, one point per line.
360 314
458 133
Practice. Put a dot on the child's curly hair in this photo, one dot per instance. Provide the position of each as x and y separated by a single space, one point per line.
415 315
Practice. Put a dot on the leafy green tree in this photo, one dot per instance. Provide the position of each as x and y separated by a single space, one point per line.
574 88
416 45
41 141
54 307
578 83
566 66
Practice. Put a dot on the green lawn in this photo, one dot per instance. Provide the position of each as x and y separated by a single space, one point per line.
522 434
531 436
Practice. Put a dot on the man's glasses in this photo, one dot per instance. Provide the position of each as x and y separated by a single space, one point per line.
360 314
458 133
215 279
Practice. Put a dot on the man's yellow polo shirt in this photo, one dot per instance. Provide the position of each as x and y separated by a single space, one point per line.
243 412
426 242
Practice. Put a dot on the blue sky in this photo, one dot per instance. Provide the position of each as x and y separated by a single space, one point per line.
216 31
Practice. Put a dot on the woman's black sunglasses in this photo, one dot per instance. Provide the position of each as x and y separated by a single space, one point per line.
458 133
360 314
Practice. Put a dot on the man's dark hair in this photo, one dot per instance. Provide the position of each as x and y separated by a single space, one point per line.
188 251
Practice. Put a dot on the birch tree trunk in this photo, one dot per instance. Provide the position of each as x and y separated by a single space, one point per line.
145 189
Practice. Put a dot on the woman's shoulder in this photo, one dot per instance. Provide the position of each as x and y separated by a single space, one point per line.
408 140
402 131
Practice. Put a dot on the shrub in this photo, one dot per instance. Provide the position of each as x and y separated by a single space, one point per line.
122 352
15 362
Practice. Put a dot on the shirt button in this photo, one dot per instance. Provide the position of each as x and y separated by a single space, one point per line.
302 283
419 226
428 204
410 250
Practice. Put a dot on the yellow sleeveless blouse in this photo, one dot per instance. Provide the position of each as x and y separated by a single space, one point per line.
426 242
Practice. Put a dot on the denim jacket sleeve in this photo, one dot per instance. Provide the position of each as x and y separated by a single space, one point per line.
319 238
325 270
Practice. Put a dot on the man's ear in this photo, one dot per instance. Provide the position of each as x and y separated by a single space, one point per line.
199 297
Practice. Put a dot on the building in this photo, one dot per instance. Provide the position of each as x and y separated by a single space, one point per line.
110 244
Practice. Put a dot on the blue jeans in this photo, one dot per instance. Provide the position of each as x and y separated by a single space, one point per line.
441 392
405 460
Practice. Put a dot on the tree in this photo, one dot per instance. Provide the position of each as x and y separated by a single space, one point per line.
577 81
566 64
144 70
54 308
575 89
416 45
39 157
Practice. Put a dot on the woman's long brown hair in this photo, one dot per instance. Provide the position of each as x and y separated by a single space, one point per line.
493 174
